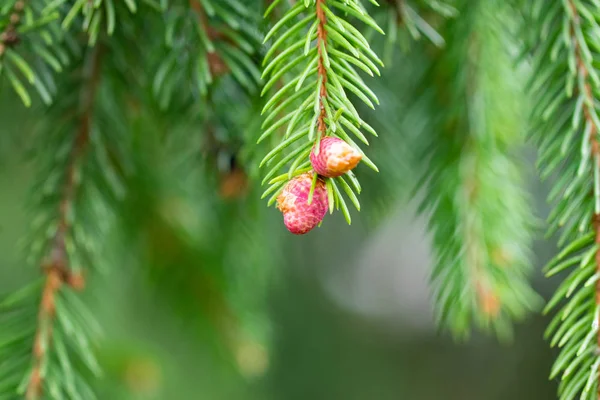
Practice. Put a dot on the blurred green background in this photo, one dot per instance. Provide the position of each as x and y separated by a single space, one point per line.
207 296
342 313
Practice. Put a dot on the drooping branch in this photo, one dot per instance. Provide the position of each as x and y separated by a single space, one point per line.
56 265
316 52
479 215
585 88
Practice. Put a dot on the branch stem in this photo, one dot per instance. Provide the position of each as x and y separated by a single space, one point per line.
321 67
588 104
56 264
216 64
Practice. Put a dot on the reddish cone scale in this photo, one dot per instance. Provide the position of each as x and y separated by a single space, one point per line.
335 157
300 217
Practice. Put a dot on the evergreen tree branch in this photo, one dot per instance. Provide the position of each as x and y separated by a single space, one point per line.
478 210
204 41
35 29
56 266
567 86
48 337
408 21
316 52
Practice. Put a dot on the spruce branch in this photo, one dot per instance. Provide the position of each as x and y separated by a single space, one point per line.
409 19
92 16
57 266
204 41
31 50
478 211
48 336
316 52
567 87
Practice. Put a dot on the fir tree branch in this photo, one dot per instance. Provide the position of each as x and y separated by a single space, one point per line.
583 77
409 21
478 211
56 266
36 31
316 51
566 129
203 41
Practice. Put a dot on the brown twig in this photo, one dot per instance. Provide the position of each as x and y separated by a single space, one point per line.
56 264
398 7
588 104
9 37
321 69
216 64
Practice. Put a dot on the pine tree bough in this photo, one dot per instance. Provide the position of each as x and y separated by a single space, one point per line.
566 84
317 58
478 210
588 110
216 39
56 266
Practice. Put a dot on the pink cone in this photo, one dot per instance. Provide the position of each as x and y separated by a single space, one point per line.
300 217
335 158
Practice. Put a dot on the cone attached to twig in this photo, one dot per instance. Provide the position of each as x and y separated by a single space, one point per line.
334 158
299 216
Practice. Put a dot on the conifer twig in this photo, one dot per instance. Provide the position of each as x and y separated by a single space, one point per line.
56 265
321 69
316 52
9 37
583 76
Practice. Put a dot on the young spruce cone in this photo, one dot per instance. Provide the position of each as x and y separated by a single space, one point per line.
300 217
335 157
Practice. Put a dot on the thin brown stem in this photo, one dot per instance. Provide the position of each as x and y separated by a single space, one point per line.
56 264
216 64
321 68
588 104
398 7
10 37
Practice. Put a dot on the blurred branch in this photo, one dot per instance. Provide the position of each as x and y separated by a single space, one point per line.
216 64
478 210
9 36
56 266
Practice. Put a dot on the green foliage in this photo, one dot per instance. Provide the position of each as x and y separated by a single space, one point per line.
566 86
120 102
73 203
408 22
203 41
313 65
32 48
479 214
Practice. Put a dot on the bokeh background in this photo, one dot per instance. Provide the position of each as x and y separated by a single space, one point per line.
208 297
348 307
